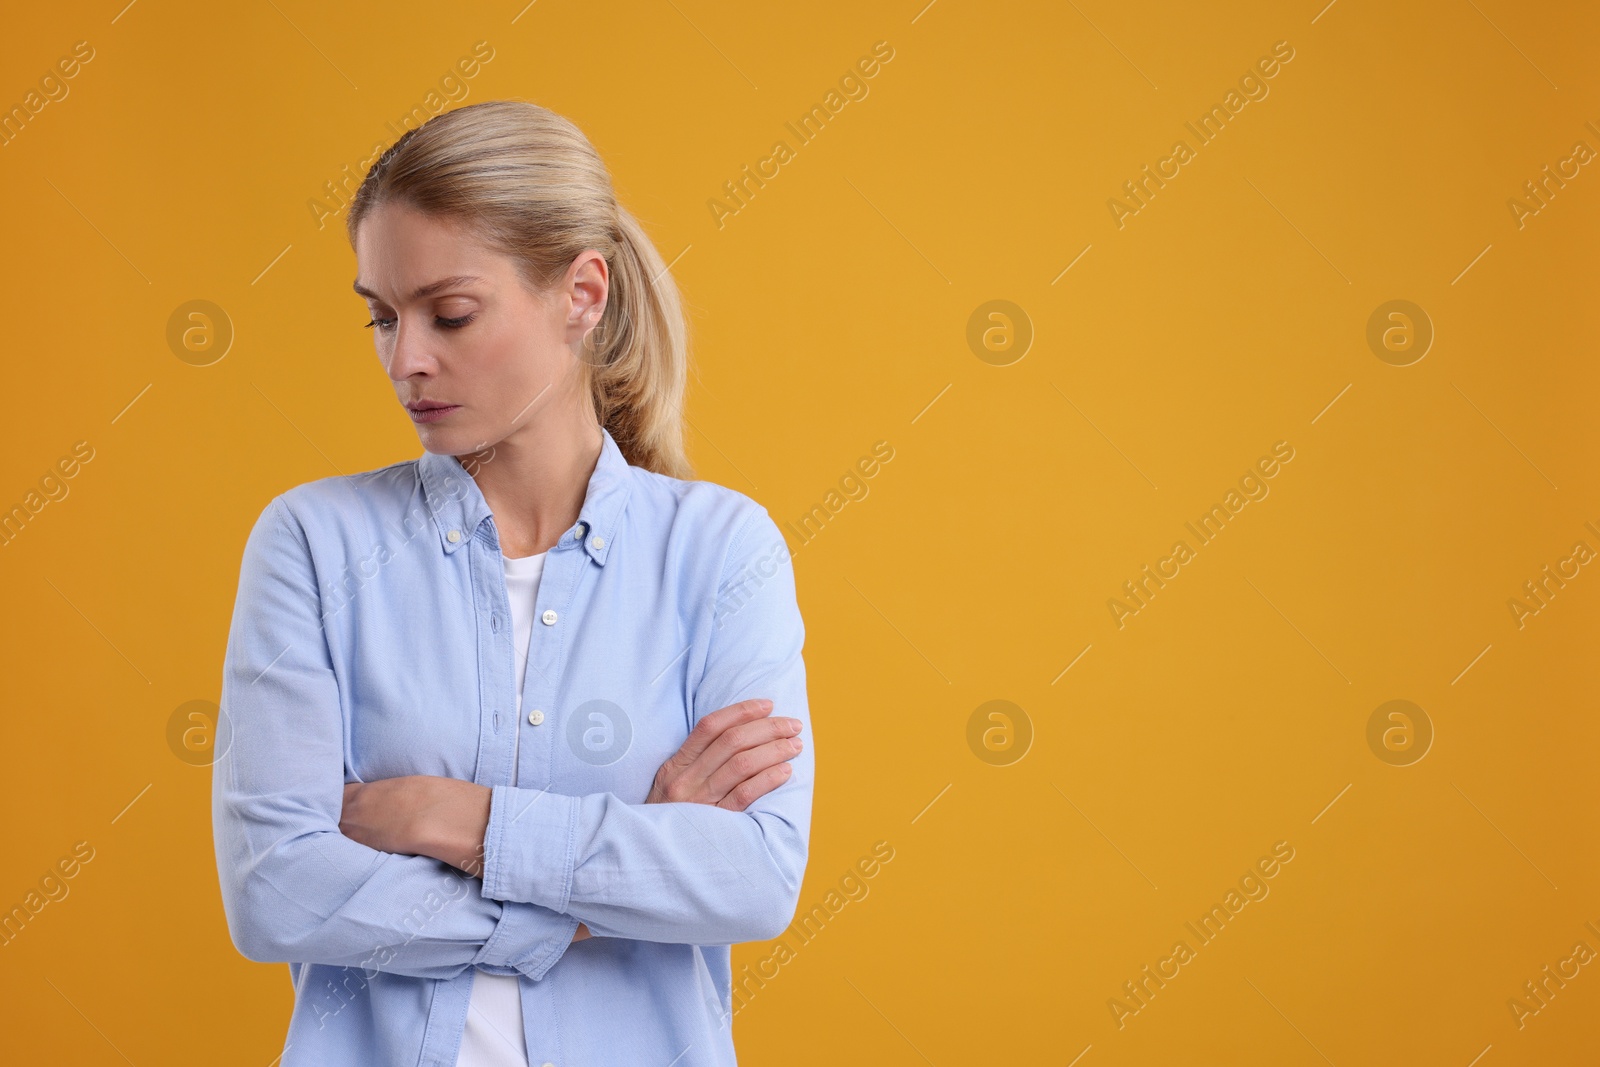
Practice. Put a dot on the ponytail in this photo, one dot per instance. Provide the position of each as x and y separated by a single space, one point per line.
635 361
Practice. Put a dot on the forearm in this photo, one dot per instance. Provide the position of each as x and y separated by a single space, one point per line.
321 898
674 872
677 873
426 816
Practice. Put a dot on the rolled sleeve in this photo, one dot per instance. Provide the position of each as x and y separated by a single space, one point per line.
527 939
528 846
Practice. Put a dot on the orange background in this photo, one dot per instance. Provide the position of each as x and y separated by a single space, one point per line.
830 312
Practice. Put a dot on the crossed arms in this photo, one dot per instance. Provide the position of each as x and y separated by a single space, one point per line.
680 869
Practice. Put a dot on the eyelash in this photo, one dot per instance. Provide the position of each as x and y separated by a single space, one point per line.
452 324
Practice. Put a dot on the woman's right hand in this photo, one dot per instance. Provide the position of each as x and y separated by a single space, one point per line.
734 756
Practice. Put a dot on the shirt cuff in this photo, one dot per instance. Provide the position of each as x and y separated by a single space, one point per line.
527 940
528 846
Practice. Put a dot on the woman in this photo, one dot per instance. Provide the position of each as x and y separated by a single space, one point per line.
510 731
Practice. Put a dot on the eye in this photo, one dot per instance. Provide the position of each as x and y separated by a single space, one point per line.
386 325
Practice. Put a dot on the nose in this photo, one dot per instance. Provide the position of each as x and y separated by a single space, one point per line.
408 351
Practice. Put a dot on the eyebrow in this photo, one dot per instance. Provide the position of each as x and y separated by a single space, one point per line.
426 290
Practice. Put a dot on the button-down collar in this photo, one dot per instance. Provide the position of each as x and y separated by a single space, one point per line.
459 508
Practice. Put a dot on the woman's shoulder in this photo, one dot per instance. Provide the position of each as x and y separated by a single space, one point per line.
711 510
339 496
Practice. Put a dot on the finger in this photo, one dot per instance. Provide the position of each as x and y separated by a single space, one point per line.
742 766
711 726
755 788
747 735
736 739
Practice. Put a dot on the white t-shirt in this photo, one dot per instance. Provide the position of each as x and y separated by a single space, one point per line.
493 1037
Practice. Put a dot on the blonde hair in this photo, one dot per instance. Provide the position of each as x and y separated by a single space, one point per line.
528 183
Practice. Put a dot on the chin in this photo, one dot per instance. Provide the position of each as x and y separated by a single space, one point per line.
444 442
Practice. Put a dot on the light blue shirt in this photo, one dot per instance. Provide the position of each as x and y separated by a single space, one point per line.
371 638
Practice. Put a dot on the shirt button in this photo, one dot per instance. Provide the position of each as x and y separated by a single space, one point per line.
536 716
598 542
549 617
453 536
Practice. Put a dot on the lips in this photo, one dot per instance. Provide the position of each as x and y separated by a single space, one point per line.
429 410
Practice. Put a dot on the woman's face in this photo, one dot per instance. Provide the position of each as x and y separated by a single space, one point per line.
455 325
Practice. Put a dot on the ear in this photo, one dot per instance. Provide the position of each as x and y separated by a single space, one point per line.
588 286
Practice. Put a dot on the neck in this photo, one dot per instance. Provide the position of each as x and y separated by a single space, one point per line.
537 479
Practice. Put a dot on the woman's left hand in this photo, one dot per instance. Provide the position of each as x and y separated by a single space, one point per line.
420 815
